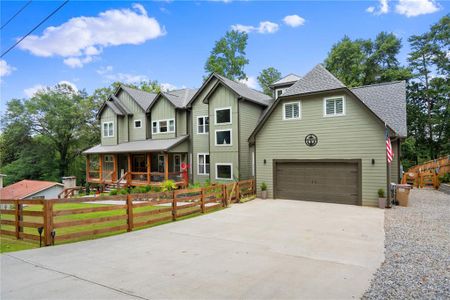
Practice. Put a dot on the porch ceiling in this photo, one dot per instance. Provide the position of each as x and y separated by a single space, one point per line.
150 145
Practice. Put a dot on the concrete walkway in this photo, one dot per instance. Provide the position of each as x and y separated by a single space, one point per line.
263 249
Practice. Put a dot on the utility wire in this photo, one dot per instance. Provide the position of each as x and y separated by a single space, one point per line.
15 15
35 27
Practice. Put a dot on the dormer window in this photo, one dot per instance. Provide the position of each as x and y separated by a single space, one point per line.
279 92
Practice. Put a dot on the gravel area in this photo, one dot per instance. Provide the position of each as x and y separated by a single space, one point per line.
417 258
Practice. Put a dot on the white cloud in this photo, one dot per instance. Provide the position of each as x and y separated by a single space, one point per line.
109 75
251 82
68 83
383 8
294 20
264 27
80 39
412 8
29 92
168 87
5 68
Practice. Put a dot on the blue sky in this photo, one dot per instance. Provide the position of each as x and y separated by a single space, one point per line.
169 41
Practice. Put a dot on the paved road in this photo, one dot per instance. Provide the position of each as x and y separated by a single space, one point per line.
263 249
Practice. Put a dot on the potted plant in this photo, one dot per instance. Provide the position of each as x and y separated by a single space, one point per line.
263 190
381 199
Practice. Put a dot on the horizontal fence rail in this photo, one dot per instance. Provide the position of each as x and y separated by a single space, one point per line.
70 219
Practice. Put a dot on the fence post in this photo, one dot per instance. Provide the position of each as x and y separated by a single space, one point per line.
18 218
238 193
129 213
48 221
202 200
174 207
224 195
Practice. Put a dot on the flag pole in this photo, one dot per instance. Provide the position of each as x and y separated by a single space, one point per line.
388 174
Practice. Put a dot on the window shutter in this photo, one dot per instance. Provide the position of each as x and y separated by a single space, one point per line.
339 106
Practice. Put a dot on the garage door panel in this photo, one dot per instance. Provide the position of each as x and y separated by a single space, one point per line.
332 182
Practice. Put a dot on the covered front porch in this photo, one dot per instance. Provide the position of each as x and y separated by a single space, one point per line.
148 162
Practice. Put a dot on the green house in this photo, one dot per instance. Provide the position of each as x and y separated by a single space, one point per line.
315 139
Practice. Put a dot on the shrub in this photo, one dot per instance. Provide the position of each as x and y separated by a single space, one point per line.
88 188
380 193
207 183
445 178
194 185
263 186
168 185
113 192
123 192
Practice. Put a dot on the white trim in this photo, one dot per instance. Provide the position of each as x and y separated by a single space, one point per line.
204 124
334 114
198 164
299 110
253 162
223 108
223 145
168 126
103 129
278 90
134 123
224 164
174 162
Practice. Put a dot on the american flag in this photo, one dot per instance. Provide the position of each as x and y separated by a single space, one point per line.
389 152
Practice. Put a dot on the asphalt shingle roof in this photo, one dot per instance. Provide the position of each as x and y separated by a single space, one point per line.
291 78
387 101
317 80
144 99
180 98
26 188
244 91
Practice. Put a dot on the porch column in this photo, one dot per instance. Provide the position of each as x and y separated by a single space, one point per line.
88 168
100 167
129 169
148 167
166 165
114 176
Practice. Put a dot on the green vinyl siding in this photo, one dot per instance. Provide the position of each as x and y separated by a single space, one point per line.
126 128
180 122
108 115
123 129
357 135
200 142
249 115
223 97
163 110
394 164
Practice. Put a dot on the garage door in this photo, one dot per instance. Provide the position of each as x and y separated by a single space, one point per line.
333 182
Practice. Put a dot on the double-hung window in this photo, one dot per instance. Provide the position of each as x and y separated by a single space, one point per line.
203 164
334 106
163 126
223 116
108 129
224 171
223 137
291 111
137 123
202 124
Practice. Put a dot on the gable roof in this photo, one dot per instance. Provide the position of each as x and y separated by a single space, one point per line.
26 188
179 98
239 88
144 99
317 80
286 80
387 101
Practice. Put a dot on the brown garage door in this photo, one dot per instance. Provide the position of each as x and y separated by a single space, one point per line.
322 181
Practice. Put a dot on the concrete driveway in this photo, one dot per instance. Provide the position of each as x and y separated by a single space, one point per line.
261 249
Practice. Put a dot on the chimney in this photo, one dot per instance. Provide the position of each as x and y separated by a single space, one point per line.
69 182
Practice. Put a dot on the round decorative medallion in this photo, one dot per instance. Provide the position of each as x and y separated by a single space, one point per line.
311 140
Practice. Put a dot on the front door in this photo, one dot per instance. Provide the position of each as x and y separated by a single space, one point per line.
139 163
177 162
161 163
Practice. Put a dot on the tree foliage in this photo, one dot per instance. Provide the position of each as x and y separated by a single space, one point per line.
267 77
227 58
365 61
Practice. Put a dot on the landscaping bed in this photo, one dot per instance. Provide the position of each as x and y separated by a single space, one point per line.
417 250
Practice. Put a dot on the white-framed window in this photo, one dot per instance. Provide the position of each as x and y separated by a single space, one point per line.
137 123
202 124
224 171
291 110
334 106
222 116
203 164
108 129
224 137
278 93
253 163
163 126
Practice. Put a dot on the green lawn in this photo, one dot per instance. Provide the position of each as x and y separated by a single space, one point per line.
9 243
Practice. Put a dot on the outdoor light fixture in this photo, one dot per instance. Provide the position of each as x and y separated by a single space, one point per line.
265 161
53 234
373 161
40 230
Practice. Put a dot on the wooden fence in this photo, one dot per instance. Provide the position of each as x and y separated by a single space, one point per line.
59 220
427 174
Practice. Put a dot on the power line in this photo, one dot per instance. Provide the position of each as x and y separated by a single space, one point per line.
15 15
35 27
